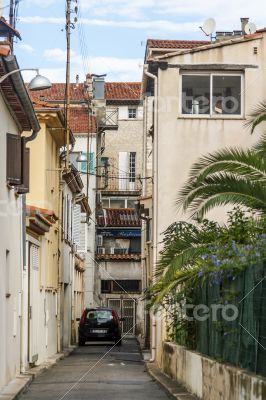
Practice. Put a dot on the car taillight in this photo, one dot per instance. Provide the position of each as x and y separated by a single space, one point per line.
83 317
114 316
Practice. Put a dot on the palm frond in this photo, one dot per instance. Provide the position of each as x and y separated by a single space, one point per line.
260 147
223 189
237 161
257 116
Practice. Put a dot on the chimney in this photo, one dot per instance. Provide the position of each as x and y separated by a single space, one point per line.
244 22
77 77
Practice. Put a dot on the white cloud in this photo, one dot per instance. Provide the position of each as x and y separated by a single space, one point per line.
117 69
158 25
57 54
180 8
54 74
141 14
26 47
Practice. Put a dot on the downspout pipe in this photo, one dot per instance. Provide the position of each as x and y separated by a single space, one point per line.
155 199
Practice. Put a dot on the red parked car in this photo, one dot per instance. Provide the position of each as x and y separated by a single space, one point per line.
100 324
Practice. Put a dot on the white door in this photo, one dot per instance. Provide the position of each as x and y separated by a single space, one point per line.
33 311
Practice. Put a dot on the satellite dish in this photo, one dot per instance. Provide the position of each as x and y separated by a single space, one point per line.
250 28
209 26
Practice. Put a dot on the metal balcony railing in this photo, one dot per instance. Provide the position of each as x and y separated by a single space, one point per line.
107 118
111 179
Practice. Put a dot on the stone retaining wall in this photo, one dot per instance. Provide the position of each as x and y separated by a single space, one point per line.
209 379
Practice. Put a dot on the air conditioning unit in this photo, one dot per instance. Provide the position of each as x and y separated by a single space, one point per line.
99 240
101 250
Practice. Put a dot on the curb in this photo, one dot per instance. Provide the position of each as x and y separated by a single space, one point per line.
173 388
21 383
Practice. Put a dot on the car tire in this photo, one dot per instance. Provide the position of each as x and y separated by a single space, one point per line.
118 342
81 342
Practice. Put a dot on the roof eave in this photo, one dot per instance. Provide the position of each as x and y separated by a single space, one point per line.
243 39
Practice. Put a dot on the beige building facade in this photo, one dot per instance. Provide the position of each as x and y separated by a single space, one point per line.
202 97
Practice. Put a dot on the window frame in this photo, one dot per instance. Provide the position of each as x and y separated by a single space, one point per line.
132 167
90 161
128 113
126 199
211 74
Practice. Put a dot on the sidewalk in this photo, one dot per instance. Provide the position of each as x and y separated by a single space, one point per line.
18 385
172 387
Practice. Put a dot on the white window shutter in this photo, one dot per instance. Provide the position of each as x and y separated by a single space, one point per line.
76 223
65 217
83 235
123 170
123 112
35 257
69 213
140 112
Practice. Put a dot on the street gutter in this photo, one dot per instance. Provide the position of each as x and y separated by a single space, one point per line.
171 387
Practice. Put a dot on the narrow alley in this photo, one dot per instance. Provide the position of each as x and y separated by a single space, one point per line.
97 372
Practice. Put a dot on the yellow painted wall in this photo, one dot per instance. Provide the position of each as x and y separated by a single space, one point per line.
45 193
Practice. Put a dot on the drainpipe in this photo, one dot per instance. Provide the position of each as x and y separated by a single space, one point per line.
155 199
32 137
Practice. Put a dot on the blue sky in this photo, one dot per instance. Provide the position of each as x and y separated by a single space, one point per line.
111 34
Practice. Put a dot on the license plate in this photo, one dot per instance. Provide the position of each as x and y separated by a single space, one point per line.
99 330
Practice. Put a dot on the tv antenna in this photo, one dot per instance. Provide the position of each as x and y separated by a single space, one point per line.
250 28
208 27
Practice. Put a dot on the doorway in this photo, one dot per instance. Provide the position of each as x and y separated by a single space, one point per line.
126 309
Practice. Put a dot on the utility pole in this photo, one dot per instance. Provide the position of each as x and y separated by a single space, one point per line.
11 22
67 111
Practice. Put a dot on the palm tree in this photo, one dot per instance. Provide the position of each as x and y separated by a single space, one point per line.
231 176
183 244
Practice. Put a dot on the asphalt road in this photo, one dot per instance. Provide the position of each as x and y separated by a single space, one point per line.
98 372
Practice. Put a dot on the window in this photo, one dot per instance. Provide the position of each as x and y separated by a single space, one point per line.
104 161
132 167
212 94
106 286
130 286
117 203
83 165
105 203
121 286
132 113
131 203
135 246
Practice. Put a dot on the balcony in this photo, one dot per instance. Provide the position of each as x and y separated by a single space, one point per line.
111 180
118 235
107 118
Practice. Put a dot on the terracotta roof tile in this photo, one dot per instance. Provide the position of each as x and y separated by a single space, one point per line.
122 90
79 121
117 217
175 44
57 92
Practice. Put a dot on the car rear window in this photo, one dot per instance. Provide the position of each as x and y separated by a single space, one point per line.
99 314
